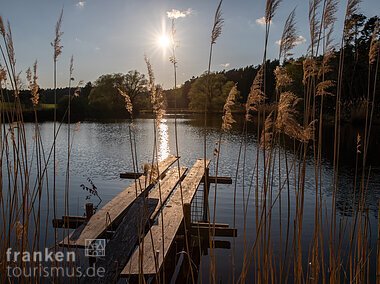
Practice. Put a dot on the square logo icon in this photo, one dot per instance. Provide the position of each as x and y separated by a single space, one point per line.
95 247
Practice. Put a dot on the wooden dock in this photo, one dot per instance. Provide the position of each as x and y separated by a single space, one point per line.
141 241
114 209
157 242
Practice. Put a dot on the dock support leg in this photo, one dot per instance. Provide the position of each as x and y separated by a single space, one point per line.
205 194
187 219
89 210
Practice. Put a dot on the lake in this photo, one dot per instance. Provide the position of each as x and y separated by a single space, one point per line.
100 151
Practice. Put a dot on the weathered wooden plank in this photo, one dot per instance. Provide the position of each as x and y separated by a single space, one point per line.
158 240
220 180
164 188
215 232
121 246
130 175
71 222
192 180
207 224
156 243
114 209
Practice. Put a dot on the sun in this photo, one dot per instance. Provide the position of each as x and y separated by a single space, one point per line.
163 41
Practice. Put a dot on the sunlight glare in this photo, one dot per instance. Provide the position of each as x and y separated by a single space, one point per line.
164 41
163 140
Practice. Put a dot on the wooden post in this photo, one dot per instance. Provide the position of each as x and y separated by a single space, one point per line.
89 213
206 190
89 210
187 221
187 218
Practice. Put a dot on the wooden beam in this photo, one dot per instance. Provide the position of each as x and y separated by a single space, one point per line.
209 231
130 175
220 180
121 246
71 222
115 209
206 224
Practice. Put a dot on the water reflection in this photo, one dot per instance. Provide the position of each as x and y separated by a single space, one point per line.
163 140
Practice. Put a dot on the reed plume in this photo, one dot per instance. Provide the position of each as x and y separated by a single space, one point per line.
3 73
127 100
256 95
289 36
18 84
282 77
326 66
33 86
227 118
20 230
218 23
56 44
375 44
156 96
310 69
10 47
329 13
323 86
314 24
71 68
286 121
267 133
349 21
2 27
358 143
270 9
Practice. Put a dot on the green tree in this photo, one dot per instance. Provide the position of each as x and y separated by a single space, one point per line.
135 85
104 99
212 89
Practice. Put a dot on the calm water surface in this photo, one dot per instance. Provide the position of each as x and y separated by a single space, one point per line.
101 151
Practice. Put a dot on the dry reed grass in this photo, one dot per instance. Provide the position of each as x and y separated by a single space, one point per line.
326 254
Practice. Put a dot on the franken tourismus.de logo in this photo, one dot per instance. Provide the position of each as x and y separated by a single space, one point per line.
40 256
95 248
47 263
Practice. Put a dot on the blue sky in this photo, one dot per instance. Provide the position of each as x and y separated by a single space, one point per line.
113 36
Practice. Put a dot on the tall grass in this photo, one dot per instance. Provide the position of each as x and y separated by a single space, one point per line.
340 249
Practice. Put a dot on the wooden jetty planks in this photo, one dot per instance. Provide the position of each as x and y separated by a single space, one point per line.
110 212
191 183
126 237
166 187
158 240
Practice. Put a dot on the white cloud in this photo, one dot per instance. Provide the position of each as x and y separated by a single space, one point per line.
225 65
261 21
299 40
175 14
80 4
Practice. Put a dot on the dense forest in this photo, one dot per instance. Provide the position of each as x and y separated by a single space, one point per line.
101 99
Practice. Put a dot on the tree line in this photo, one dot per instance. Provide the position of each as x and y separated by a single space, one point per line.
101 99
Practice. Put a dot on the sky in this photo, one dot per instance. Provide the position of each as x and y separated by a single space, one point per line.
113 36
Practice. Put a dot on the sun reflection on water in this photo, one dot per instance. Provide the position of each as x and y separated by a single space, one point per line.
163 140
